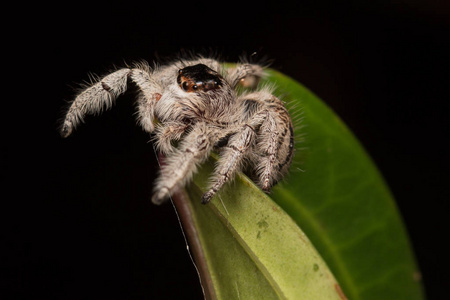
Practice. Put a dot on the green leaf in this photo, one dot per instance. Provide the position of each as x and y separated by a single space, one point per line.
249 247
246 246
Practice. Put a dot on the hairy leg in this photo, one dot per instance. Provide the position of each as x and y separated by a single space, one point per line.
150 93
247 75
102 94
94 99
267 147
275 144
231 160
182 164
165 134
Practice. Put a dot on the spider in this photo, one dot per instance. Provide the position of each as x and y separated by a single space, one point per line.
192 106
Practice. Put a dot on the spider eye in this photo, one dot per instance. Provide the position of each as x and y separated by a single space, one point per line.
185 86
195 87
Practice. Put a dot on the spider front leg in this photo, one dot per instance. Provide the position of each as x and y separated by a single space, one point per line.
103 93
182 163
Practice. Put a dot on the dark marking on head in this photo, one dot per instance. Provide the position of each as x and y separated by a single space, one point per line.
198 78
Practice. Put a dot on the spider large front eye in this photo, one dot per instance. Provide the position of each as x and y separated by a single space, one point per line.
185 86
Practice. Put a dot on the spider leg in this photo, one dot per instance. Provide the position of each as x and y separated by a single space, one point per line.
247 75
234 153
275 144
165 134
102 94
182 164
150 93
268 146
231 160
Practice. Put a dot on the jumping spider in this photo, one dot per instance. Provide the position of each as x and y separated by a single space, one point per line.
196 103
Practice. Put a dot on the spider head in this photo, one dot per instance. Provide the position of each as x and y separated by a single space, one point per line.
198 78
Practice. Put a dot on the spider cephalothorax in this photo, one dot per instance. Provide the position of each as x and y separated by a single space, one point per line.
196 103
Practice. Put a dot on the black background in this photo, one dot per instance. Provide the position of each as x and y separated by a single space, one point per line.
78 221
